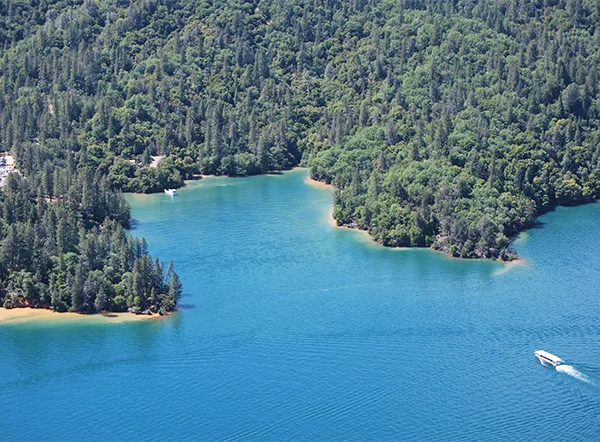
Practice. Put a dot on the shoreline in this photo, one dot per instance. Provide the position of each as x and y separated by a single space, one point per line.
317 184
331 220
198 178
19 315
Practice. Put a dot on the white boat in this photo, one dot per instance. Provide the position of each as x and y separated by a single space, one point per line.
171 192
546 358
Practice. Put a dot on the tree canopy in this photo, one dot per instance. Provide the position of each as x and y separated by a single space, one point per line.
444 123
68 250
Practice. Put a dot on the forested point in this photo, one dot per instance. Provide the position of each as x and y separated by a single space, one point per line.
71 253
444 123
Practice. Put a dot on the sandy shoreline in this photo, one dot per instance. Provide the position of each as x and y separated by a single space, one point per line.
331 220
20 315
317 184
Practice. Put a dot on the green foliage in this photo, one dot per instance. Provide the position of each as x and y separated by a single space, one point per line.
454 126
445 123
76 263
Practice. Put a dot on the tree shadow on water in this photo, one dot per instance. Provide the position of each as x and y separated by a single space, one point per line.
134 224
538 225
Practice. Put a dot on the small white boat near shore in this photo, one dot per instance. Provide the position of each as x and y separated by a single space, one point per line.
171 192
546 358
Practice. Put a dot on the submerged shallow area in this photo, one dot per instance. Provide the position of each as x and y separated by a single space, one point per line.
293 329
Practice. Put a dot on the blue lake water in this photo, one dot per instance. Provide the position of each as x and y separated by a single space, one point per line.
291 329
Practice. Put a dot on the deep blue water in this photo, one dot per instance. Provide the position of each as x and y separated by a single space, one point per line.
291 329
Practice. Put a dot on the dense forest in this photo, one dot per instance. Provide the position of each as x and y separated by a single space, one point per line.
442 123
70 252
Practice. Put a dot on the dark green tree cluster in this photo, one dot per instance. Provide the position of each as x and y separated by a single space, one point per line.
453 124
63 244
444 123
130 80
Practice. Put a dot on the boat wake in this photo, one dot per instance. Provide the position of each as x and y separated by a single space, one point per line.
572 371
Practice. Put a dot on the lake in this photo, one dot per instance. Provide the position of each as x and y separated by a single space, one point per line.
292 329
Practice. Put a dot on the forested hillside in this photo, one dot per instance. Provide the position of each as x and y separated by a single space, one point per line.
446 123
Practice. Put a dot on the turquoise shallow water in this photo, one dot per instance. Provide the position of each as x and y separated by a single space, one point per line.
291 329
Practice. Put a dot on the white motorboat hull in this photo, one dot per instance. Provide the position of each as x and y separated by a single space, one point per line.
543 362
546 358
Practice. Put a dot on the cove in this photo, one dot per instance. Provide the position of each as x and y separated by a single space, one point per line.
292 329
